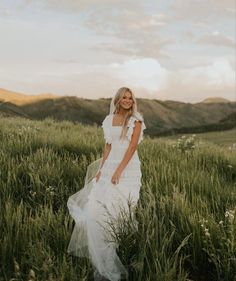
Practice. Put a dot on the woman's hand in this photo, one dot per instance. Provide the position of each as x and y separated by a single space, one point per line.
98 176
116 177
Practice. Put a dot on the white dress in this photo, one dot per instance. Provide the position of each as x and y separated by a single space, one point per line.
97 202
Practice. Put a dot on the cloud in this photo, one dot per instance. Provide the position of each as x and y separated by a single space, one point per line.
133 32
141 73
147 77
75 7
91 48
195 84
218 39
219 74
201 10
126 20
138 50
132 27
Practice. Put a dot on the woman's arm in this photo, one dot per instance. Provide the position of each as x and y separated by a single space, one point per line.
129 152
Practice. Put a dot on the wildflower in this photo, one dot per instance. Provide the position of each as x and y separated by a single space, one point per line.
33 193
233 146
50 189
221 222
203 221
206 230
16 266
32 274
230 214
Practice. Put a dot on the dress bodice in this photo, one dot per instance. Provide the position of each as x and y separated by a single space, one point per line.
118 147
112 133
115 133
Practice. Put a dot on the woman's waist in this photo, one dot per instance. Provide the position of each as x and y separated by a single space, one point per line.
113 162
118 154
132 169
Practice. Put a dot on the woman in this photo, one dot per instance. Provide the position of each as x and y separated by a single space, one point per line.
111 182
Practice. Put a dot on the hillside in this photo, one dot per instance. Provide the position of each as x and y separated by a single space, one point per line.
8 109
161 117
21 99
215 100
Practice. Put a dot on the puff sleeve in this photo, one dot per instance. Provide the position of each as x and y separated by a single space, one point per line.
106 129
131 125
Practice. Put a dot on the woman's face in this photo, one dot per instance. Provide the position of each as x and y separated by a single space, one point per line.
127 101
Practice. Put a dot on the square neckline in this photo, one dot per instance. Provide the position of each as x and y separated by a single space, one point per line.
112 121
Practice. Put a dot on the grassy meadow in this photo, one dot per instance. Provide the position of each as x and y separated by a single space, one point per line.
225 139
186 211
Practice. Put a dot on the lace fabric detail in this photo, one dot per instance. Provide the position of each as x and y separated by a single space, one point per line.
106 129
131 125
131 173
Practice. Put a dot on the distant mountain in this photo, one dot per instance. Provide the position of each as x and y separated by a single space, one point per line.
161 117
215 100
20 99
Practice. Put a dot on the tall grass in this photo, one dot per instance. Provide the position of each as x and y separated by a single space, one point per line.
186 211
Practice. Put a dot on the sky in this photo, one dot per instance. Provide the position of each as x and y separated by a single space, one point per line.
162 49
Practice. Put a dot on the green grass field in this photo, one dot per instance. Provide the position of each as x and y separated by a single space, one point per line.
186 211
222 138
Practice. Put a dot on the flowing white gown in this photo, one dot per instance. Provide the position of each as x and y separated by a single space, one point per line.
94 205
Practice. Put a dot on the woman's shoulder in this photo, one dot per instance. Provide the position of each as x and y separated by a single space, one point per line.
136 116
107 119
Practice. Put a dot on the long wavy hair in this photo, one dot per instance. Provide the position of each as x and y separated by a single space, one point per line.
118 97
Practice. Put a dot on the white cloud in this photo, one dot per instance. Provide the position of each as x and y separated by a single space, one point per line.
141 73
201 10
217 78
75 7
218 39
147 77
133 32
219 74
91 48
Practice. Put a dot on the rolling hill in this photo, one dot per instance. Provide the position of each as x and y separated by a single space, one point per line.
161 117
21 99
215 100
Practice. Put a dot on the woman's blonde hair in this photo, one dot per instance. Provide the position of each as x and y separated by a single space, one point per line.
118 97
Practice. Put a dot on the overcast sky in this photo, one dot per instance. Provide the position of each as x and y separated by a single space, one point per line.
164 49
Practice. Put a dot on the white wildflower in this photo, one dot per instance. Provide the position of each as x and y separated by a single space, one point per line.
206 230
230 214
